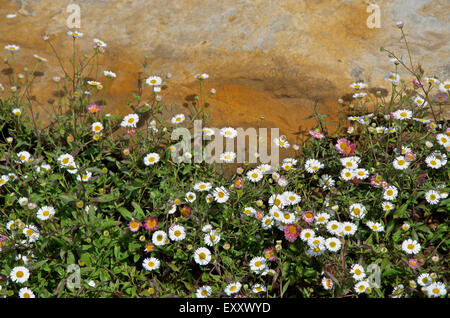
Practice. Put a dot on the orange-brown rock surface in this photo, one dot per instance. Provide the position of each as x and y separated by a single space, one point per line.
270 58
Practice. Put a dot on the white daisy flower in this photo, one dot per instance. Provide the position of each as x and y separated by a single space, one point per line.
398 291
153 81
202 256
24 156
17 111
316 250
326 182
85 176
350 162
393 78
333 244
358 85
432 197
99 43
130 120
19 274
287 218
151 263
267 222
387 206
159 238
190 196
357 211
109 74
220 194
431 80
202 186
232 288
424 279
276 200
94 83
281 142
322 218
258 288
208 131
211 238
203 292
178 119
445 87
443 140
249 211
39 58
254 175
45 212
307 234
347 174
327 283
313 165
420 102
290 198
265 168
75 34
361 286
410 246
390 193
348 228
12 47
361 174
375 226
358 272
228 132
25 292
97 127
257 264
400 163
151 159
433 162
436 289
228 157
442 157
177 233
23 201
334 227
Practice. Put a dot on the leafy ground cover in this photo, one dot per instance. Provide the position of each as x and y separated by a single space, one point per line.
360 212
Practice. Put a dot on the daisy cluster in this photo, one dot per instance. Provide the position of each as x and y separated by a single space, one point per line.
360 212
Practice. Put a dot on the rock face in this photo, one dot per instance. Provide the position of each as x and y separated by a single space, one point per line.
270 58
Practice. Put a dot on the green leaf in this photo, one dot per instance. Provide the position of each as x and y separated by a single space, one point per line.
125 213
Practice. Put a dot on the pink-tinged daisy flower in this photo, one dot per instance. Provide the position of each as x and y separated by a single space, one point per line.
93 109
413 263
185 211
440 97
308 216
345 147
315 134
291 232
151 223
376 180
134 225
239 183
417 83
259 215
410 156
270 254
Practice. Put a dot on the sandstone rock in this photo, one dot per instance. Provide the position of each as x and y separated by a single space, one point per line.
264 57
